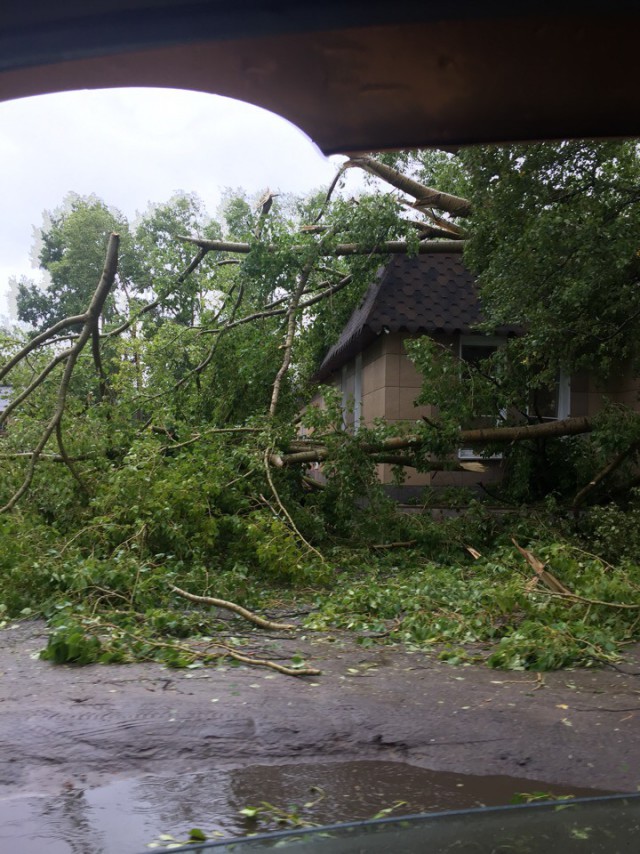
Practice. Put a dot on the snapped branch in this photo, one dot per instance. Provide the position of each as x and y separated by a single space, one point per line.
90 320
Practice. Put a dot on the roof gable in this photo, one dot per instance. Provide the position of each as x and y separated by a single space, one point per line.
420 295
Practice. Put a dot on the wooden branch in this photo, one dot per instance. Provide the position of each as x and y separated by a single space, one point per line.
290 334
434 465
156 302
547 430
479 437
47 458
541 572
15 402
199 368
236 609
279 312
272 665
209 653
328 292
67 459
450 228
604 473
38 340
90 320
388 247
330 192
424 196
403 544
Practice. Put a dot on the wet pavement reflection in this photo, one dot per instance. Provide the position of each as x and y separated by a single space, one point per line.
130 815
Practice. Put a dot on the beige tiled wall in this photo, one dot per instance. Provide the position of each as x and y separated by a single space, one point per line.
391 383
589 393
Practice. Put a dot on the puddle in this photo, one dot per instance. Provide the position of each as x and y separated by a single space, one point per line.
125 816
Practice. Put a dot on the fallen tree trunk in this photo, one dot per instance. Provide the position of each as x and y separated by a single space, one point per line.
475 438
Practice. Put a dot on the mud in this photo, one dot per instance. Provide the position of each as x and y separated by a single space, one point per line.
112 753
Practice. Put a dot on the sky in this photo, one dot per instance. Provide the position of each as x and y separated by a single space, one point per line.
135 146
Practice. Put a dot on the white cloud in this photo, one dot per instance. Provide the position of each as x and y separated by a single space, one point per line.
135 146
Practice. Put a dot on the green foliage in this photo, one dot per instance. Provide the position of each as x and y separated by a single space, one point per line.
614 531
169 483
74 241
554 228
486 609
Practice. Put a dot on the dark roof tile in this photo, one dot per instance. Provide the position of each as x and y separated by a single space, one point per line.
425 294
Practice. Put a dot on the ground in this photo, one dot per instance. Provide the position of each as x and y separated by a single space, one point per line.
74 730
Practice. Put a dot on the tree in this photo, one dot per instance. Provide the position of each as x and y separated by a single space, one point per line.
234 331
73 245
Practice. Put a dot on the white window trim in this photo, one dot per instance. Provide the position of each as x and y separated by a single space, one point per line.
486 341
564 397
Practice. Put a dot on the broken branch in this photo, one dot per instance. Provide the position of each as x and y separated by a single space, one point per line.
236 609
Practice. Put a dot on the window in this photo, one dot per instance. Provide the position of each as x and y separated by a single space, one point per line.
473 350
351 388
552 404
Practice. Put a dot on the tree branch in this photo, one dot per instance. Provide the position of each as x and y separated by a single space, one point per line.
424 196
236 609
478 437
90 321
604 473
388 247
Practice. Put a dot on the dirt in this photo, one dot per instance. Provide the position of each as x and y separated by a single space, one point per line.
73 732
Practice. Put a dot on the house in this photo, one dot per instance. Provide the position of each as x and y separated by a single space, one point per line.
432 295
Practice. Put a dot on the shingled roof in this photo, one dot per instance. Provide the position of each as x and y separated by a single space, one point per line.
421 295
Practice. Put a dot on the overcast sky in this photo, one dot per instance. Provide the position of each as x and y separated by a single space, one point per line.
135 146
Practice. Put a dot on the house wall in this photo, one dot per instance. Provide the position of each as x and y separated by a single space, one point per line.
587 393
390 384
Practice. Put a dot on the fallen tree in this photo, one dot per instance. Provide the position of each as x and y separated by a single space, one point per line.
477 438
182 473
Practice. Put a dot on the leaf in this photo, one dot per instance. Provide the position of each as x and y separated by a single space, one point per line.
197 835
250 812
388 810
581 833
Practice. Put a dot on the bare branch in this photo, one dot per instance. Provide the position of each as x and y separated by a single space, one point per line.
236 609
330 191
604 473
67 459
90 320
276 495
16 401
38 340
198 257
291 330
424 196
